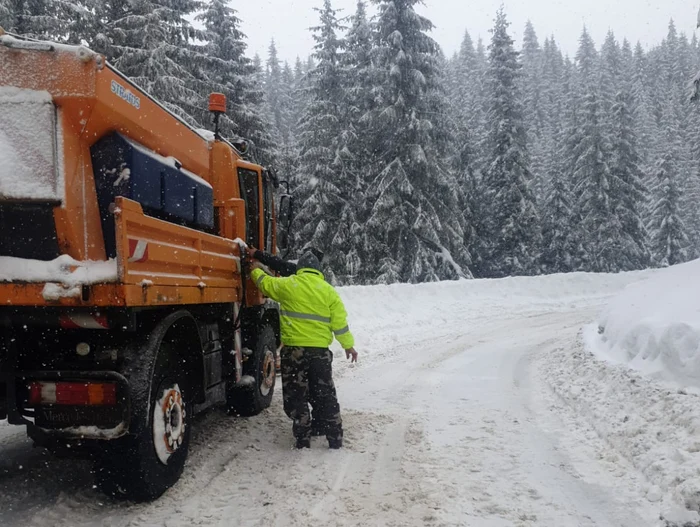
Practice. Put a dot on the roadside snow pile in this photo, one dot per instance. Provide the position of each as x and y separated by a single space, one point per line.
655 428
654 326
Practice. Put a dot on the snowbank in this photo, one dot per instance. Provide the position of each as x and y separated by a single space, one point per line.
380 316
654 326
655 428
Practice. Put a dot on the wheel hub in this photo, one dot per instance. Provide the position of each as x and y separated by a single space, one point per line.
169 423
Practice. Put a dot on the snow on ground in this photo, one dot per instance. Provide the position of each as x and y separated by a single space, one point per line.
655 429
473 404
654 326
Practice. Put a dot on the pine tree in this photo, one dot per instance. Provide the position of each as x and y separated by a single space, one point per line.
553 106
532 82
7 15
611 73
558 229
277 99
643 109
151 41
349 246
513 225
358 79
467 84
533 110
587 59
629 194
600 226
553 80
416 231
55 20
670 239
324 181
227 70
467 105
300 92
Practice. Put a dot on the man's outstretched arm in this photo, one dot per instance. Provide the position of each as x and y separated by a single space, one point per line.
277 264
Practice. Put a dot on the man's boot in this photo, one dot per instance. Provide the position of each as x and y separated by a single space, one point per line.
335 444
303 443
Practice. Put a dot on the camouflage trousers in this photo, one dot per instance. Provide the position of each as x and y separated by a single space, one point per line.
307 378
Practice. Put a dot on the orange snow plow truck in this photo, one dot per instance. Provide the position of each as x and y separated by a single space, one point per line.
125 305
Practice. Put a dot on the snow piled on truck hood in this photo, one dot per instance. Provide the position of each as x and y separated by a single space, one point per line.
654 327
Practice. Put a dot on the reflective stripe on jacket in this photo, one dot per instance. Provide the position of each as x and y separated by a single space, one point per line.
311 310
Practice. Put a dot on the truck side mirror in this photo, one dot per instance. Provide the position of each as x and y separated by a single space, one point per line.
285 219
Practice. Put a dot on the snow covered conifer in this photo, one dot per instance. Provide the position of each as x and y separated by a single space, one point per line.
324 183
531 80
611 74
646 126
416 231
628 191
151 41
513 222
56 20
599 226
277 98
227 70
670 239
467 107
558 230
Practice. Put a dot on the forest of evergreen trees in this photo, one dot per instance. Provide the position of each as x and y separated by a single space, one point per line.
410 166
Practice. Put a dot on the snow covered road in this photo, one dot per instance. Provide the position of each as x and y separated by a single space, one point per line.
450 420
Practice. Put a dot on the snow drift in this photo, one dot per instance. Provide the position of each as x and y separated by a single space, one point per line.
653 326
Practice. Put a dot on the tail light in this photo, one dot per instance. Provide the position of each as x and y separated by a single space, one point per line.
73 393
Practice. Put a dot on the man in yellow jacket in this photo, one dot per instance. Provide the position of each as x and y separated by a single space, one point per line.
311 313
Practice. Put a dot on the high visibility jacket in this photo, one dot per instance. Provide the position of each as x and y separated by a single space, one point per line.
311 310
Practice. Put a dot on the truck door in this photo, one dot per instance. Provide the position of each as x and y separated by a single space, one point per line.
249 181
268 215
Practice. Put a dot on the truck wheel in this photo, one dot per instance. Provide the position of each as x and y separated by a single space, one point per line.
150 460
248 400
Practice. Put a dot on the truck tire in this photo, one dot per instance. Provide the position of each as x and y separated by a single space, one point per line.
150 460
249 400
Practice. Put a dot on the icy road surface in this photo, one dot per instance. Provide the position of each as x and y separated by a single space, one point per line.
451 419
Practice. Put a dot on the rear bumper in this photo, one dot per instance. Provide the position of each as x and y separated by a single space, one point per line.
84 422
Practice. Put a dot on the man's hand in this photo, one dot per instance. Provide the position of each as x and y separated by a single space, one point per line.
351 353
250 257
254 264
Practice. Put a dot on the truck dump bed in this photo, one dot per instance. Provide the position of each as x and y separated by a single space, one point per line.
107 198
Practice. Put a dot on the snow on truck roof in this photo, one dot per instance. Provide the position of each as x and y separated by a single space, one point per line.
12 41
10 94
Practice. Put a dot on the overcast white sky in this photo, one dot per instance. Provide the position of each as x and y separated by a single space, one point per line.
287 21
